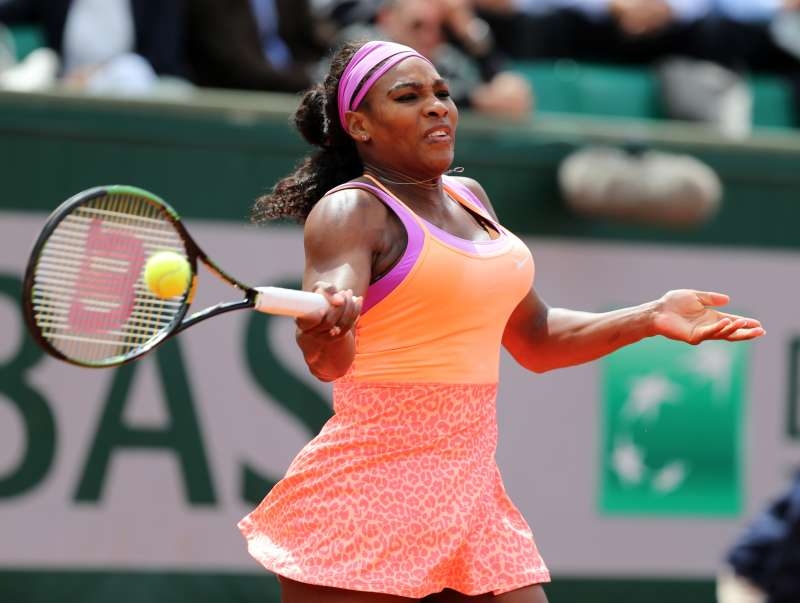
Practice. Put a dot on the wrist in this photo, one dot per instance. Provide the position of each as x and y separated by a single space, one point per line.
650 313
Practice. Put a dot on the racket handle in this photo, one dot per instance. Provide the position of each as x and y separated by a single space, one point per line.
288 302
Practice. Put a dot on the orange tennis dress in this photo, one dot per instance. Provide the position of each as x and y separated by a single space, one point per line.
400 492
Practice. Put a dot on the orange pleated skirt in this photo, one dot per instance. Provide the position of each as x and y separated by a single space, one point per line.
399 494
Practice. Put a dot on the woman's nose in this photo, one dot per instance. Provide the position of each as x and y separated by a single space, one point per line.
437 108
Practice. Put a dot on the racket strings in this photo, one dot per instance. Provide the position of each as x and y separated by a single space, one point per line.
89 297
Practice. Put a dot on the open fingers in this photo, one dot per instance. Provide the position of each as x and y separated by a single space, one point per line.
745 334
745 321
735 325
730 328
741 328
710 331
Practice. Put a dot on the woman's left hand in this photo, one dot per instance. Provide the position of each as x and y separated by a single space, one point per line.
690 316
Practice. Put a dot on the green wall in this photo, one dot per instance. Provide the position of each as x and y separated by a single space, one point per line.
212 155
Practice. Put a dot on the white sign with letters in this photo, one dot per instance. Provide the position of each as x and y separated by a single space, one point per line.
151 466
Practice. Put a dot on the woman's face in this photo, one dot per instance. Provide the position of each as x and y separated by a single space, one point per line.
410 120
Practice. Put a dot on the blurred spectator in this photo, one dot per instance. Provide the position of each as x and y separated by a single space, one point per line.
104 46
472 35
475 80
785 29
634 17
763 566
598 30
740 34
706 92
754 10
267 45
755 36
341 13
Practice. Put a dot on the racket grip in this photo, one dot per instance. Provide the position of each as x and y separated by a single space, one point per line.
288 302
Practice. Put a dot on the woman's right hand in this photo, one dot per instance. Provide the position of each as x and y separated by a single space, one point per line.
337 320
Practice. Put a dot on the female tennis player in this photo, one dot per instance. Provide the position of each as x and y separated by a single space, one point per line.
399 497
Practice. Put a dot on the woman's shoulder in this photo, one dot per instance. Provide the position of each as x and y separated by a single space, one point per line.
348 218
348 205
474 187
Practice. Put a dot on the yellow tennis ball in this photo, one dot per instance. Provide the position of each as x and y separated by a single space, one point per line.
167 274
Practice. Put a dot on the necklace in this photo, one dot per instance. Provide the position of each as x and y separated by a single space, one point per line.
430 183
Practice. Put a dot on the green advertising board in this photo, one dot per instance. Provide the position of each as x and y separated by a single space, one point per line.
672 437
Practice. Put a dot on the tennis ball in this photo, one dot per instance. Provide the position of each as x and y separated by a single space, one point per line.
167 274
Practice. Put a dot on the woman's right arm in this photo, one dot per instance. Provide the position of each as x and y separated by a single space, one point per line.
343 234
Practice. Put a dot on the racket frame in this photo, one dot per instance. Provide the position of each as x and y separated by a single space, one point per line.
178 323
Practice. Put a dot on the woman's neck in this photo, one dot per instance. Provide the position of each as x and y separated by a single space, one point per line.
394 177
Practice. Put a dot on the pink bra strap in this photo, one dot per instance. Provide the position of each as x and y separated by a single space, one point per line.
415 236
463 191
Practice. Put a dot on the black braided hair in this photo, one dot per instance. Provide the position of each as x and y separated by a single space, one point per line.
336 161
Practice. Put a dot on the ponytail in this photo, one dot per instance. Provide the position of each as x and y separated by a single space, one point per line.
336 160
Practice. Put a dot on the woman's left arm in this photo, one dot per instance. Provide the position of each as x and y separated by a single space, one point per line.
541 338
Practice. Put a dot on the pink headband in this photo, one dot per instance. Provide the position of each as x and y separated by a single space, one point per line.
364 60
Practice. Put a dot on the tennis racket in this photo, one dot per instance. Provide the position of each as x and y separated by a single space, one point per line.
84 296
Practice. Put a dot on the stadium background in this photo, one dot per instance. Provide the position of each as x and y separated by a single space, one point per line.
126 485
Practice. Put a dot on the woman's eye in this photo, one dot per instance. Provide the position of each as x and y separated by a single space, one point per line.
443 94
406 97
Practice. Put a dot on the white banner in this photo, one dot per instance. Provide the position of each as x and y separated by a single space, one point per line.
150 466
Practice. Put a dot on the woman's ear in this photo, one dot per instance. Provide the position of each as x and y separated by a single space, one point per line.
357 126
